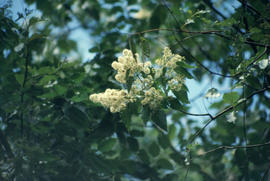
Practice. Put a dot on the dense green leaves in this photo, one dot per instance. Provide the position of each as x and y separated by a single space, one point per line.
154 149
50 130
164 164
158 16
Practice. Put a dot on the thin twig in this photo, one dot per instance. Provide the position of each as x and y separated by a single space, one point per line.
245 135
185 178
252 9
239 102
194 114
27 59
176 30
198 62
234 147
209 32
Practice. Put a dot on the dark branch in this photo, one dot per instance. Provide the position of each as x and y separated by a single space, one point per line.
239 102
193 114
235 147
198 62
27 59
209 32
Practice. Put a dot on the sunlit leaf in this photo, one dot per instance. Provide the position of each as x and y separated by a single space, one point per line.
231 97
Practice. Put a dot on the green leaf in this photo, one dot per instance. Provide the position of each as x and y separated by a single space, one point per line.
227 22
164 164
46 70
181 96
129 80
133 144
158 16
174 103
94 49
183 71
80 97
60 90
185 65
172 132
76 116
143 156
46 79
47 157
136 133
19 78
230 97
132 109
107 145
130 2
164 141
154 149
254 82
159 118
177 158
36 36
146 113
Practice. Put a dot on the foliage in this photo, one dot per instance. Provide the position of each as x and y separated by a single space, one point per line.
50 130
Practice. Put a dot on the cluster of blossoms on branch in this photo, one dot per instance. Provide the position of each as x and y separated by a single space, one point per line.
142 78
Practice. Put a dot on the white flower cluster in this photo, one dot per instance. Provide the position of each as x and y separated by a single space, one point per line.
153 97
142 87
126 63
169 61
114 99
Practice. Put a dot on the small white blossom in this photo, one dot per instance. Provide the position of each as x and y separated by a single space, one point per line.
187 162
19 47
51 84
263 63
189 21
231 117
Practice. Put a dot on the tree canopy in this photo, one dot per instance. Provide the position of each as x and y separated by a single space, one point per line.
170 90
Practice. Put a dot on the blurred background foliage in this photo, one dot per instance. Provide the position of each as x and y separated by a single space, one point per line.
50 130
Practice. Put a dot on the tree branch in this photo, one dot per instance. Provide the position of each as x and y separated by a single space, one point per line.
245 135
27 59
239 102
194 114
235 147
209 32
251 8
